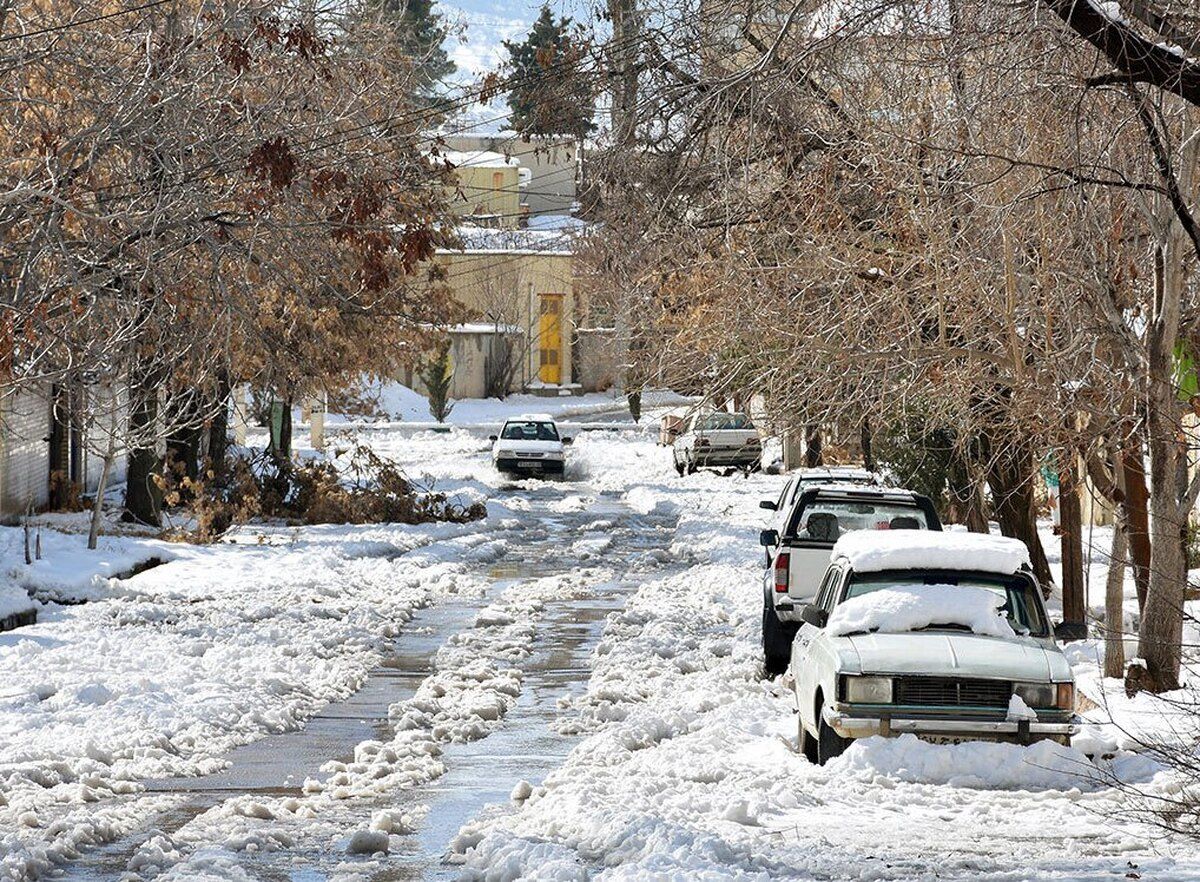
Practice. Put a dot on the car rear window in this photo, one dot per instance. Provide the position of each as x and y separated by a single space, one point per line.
825 520
718 421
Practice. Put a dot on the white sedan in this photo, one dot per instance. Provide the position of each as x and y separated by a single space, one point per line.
530 445
943 635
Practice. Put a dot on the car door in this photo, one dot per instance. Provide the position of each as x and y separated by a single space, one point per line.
807 654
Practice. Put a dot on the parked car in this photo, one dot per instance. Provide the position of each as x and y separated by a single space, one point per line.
529 444
803 533
943 635
717 440
670 427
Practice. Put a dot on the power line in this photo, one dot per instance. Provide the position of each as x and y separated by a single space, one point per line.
24 35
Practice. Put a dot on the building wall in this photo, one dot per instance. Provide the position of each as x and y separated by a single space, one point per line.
24 452
505 287
488 191
553 164
596 358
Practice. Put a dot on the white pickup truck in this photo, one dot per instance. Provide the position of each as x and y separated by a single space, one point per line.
803 534
717 440
940 635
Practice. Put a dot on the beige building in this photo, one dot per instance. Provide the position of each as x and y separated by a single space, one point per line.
549 167
489 187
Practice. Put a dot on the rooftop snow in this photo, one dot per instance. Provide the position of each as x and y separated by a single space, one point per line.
904 608
477 159
553 240
875 550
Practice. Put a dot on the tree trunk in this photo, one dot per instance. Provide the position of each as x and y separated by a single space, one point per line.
1137 505
1114 606
218 431
143 496
1071 521
865 439
966 495
98 506
1160 637
1010 474
812 447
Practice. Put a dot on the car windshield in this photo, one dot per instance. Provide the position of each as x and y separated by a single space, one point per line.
529 431
724 421
825 520
1021 606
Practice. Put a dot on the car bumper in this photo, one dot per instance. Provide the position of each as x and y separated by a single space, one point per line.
941 728
521 466
733 456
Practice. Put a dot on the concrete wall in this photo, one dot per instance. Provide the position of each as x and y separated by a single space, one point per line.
24 452
552 162
596 367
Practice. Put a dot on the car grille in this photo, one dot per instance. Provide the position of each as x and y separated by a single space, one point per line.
952 691
529 455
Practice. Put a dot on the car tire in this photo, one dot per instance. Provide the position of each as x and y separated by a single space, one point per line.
829 743
777 639
805 743
692 468
678 466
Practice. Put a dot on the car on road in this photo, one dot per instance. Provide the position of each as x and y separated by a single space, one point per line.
717 440
942 635
806 525
530 445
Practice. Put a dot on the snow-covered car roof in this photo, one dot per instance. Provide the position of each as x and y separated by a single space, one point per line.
531 418
850 473
843 488
875 550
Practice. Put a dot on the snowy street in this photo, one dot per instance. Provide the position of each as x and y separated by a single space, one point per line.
569 689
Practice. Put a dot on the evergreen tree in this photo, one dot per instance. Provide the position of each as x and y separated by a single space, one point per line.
420 31
549 95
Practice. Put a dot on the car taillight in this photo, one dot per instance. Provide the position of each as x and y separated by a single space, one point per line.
781 572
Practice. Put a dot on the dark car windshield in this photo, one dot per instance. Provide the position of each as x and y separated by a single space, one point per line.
1022 605
715 421
529 431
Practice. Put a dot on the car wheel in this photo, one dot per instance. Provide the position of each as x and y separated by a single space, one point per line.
692 468
829 743
777 639
806 744
678 465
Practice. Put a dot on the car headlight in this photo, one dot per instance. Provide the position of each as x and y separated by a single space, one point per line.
1037 694
554 454
868 690
1065 696
505 451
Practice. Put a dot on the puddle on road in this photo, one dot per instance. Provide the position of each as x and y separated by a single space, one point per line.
480 774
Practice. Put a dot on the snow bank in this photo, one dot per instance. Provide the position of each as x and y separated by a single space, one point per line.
912 607
978 765
875 550
13 601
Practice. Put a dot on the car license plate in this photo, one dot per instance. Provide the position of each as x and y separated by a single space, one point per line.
529 465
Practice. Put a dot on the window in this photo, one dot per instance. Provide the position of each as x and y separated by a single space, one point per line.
1022 605
529 430
497 181
826 520
715 421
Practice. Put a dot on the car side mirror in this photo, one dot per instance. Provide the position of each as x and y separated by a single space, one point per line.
769 505
1068 632
768 538
566 440
492 438
811 614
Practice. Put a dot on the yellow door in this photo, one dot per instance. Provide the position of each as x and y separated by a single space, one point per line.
550 338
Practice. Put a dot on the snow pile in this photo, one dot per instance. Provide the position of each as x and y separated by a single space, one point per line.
874 550
976 764
13 601
903 608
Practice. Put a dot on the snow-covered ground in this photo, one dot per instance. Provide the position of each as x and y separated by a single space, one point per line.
685 764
